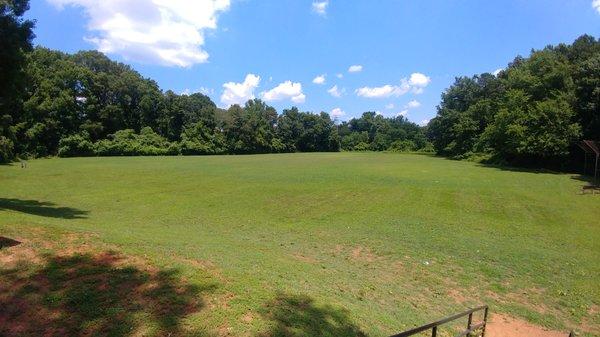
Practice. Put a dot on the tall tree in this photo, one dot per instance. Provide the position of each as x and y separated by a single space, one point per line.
16 35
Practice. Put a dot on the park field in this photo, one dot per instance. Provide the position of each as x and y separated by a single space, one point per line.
323 244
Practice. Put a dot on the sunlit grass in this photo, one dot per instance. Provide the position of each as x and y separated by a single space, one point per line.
384 241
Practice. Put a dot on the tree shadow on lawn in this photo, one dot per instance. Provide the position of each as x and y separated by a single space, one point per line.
41 208
299 316
95 295
8 242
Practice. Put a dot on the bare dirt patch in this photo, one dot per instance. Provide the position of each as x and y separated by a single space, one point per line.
305 258
360 253
502 325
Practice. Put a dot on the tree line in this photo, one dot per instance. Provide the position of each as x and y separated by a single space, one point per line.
88 105
84 104
531 113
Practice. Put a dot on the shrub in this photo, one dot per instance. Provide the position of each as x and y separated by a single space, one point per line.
75 145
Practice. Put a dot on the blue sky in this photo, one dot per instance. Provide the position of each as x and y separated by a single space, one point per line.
395 56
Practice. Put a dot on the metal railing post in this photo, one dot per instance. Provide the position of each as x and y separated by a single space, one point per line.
485 317
434 331
469 321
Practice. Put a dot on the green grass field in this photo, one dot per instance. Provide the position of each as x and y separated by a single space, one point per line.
308 244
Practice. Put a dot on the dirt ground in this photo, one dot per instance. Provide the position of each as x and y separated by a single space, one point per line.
501 325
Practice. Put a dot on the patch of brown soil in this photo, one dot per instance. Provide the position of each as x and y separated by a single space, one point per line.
587 323
360 253
248 317
11 256
501 325
457 296
304 258
530 299
204 265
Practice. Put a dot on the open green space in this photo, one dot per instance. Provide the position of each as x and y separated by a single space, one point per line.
323 243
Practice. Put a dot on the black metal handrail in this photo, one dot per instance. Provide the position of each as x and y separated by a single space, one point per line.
471 328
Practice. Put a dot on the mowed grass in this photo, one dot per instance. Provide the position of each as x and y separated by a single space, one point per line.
329 244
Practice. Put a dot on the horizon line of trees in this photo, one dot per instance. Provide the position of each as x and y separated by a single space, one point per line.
84 104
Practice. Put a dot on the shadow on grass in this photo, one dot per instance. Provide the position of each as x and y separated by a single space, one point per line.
95 295
41 208
589 180
299 316
8 242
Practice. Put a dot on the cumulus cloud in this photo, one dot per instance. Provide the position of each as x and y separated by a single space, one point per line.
389 106
497 71
285 90
383 91
337 113
416 83
413 104
424 122
319 79
320 7
402 113
335 92
419 80
596 5
167 32
340 75
355 68
239 93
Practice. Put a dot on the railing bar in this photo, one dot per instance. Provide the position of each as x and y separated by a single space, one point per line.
472 329
440 322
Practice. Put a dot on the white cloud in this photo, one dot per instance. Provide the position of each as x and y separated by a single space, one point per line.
497 71
419 80
335 92
337 113
167 32
389 106
383 91
424 122
596 5
415 84
240 93
319 79
402 113
340 75
320 7
206 91
202 90
285 90
413 104
355 68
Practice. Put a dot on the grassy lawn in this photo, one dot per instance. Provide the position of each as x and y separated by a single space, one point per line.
296 244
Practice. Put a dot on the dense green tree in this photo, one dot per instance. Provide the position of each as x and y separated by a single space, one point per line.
375 132
16 35
252 128
532 112
307 132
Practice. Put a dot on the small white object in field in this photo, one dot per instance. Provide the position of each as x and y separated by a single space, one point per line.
426 263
